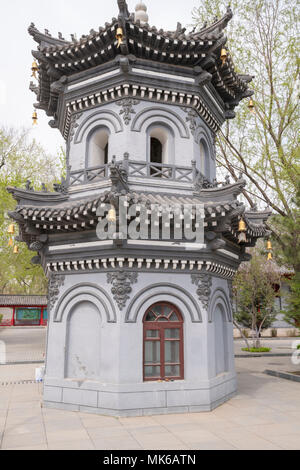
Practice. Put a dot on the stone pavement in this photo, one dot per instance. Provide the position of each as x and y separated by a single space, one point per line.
264 415
24 344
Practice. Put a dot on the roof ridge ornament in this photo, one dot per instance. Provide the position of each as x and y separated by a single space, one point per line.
123 8
217 26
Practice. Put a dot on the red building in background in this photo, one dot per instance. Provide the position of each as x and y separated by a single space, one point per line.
23 310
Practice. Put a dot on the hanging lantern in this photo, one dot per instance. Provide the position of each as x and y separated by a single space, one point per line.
251 106
119 36
112 216
269 245
270 257
223 56
11 229
34 118
10 242
16 250
34 69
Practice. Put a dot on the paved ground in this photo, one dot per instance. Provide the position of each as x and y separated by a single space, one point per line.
24 344
264 415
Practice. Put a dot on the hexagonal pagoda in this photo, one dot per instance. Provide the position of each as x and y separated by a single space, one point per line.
139 322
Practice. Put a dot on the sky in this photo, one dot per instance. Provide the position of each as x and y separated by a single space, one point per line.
66 16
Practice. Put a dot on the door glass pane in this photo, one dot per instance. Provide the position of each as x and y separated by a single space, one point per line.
152 334
172 351
162 319
152 352
172 333
172 371
152 371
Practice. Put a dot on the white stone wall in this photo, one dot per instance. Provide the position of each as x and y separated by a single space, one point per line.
133 136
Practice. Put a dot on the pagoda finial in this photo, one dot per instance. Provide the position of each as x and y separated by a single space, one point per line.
141 13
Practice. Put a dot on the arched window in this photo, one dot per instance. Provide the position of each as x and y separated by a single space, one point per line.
204 159
161 143
98 147
220 340
156 150
163 343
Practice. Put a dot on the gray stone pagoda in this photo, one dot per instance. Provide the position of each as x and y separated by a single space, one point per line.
138 326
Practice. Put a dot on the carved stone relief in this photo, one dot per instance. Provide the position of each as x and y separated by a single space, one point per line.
203 283
121 286
55 283
127 110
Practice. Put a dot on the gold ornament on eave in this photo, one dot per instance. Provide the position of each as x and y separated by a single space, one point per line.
223 56
242 231
112 215
16 250
34 69
11 232
34 118
119 36
251 106
11 229
269 245
242 226
270 257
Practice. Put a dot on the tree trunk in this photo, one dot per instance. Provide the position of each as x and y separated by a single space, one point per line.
242 334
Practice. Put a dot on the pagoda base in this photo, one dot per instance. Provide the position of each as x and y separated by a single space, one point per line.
139 399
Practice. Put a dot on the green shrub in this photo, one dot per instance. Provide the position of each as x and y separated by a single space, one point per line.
298 347
1 317
257 350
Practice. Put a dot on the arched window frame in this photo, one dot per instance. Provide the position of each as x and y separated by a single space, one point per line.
165 135
91 160
159 326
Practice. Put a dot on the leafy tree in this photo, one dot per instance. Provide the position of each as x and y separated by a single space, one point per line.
263 38
289 229
264 146
254 295
21 159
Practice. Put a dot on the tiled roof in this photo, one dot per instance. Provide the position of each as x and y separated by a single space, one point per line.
81 215
23 300
65 58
